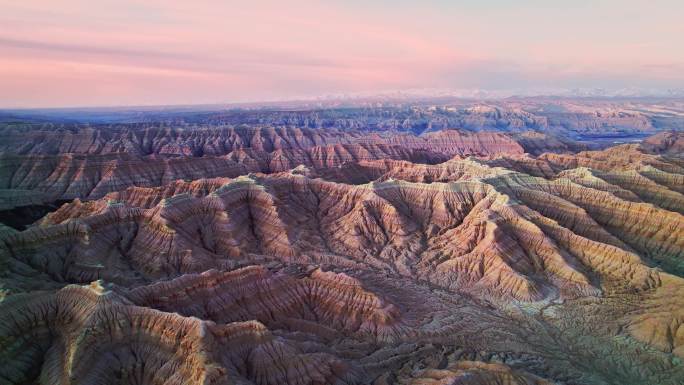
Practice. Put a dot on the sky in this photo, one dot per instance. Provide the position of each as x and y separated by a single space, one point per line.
59 53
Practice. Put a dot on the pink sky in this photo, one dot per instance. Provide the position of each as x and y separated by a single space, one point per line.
133 52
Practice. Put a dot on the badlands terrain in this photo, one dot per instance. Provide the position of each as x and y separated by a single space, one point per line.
517 242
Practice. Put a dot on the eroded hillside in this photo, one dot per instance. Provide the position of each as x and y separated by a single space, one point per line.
296 256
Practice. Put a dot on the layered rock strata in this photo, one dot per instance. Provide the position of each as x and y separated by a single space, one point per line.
506 268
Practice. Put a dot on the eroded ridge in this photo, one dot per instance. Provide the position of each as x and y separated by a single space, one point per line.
88 163
504 268
90 334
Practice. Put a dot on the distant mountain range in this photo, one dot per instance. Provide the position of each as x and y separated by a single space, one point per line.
573 117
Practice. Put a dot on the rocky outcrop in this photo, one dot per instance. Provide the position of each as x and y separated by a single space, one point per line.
537 143
461 143
669 142
90 177
93 334
324 303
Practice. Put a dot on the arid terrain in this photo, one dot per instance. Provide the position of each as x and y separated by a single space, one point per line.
518 242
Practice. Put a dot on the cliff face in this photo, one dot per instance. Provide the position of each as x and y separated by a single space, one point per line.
218 141
670 143
347 263
89 163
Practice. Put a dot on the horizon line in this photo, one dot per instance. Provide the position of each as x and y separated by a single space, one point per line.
349 99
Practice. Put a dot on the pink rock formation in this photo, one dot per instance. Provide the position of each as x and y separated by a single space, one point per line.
91 334
345 262
91 163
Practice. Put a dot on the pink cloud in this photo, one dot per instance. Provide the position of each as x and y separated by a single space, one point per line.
133 51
